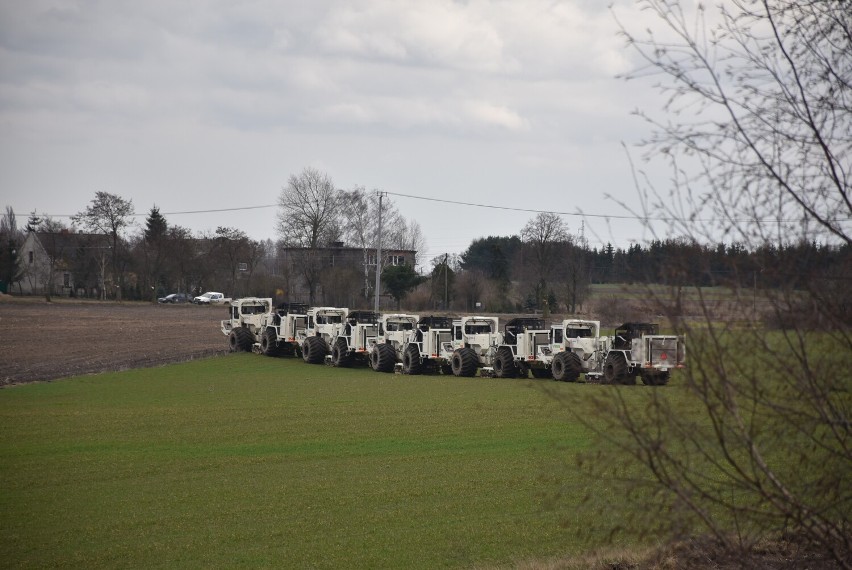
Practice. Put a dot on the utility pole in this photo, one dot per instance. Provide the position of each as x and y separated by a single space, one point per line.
379 253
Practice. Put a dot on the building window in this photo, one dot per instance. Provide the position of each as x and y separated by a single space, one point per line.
242 266
31 257
396 259
66 280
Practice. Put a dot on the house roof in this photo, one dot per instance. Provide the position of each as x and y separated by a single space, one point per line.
67 244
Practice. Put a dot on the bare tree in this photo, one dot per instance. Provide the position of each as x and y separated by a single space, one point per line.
359 211
234 251
757 133
407 235
573 275
543 236
108 214
470 287
359 216
308 210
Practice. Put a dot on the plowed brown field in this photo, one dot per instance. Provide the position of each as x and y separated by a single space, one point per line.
45 341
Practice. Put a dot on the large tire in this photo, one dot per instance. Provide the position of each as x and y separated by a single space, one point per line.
240 340
656 378
411 363
340 353
566 367
615 369
314 350
447 369
383 358
465 362
269 343
504 363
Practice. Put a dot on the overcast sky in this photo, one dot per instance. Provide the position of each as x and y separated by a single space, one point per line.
211 104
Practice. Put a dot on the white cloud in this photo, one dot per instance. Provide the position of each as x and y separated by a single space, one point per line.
496 115
466 96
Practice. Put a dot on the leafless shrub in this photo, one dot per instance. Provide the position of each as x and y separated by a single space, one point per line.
754 440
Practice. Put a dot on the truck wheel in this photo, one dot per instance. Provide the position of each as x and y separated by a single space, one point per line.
313 350
411 360
464 362
374 358
387 357
340 353
615 369
233 343
383 358
269 343
566 367
447 369
504 364
655 378
240 340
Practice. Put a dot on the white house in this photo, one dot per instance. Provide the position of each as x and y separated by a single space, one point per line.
65 262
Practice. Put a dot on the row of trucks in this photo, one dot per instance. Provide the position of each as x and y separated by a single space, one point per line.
463 346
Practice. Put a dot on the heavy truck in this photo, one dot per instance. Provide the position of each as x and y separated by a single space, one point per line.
639 349
635 349
474 342
355 342
526 348
429 346
577 348
324 325
393 335
252 325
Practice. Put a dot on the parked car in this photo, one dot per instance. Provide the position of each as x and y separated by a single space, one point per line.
211 298
175 298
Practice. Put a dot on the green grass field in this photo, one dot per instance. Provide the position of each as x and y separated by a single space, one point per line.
250 461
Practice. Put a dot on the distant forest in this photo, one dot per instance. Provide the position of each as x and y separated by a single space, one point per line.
671 261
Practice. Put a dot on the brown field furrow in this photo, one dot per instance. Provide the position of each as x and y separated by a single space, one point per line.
46 341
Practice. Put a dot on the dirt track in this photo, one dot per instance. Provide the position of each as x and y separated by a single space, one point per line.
45 341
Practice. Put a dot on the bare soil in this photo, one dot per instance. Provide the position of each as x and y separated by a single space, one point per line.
46 341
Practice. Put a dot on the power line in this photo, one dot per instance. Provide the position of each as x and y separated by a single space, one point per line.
179 213
507 208
613 216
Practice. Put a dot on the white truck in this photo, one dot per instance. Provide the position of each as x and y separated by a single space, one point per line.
526 348
253 325
639 349
211 298
393 334
357 339
635 349
324 325
474 342
577 348
429 346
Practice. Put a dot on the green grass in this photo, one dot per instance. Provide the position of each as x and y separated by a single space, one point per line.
251 461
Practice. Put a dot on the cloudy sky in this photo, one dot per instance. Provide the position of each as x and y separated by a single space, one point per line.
213 104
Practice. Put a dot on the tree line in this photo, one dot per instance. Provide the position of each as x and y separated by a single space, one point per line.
545 267
542 268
